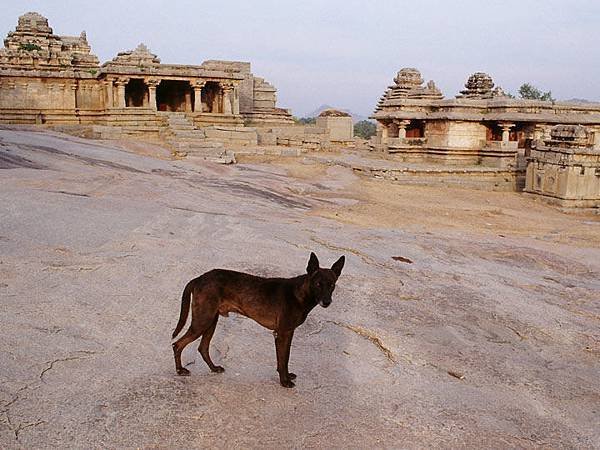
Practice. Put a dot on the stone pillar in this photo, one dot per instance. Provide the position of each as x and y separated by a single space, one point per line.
197 87
73 95
384 133
402 124
109 95
506 130
227 90
236 100
61 94
120 84
188 101
151 83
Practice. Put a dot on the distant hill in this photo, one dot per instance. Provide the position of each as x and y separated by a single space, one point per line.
320 109
580 100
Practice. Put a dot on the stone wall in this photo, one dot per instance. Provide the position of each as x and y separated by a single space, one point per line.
339 129
302 136
90 95
463 135
264 94
565 168
466 135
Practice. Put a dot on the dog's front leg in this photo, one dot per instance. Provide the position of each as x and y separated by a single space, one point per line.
283 342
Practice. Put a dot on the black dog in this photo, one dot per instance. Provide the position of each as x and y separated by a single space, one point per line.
279 304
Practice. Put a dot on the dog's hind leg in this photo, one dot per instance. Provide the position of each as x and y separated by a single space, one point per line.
190 335
204 344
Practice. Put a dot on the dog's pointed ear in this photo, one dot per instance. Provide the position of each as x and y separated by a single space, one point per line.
338 266
313 264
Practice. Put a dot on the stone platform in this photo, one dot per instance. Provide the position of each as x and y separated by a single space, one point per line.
473 176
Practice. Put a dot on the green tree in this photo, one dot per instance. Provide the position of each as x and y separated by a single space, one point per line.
529 92
365 129
305 120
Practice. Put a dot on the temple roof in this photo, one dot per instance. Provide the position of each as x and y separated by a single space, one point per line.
34 23
33 47
139 57
409 85
497 109
481 86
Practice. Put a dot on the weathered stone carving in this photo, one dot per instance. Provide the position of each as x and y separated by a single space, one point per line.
140 57
569 136
565 169
409 85
481 86
34 46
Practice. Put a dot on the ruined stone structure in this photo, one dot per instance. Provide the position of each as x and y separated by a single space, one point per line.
46 78
482 126
339 125
565 168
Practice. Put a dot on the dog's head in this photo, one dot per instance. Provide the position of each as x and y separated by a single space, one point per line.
322 281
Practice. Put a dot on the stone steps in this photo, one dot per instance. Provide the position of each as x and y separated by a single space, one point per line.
181 134
186 134
194 144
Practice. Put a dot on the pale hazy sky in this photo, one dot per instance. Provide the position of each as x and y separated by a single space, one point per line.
345 52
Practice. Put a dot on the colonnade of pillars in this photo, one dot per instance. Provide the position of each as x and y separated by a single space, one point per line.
116 96
506 128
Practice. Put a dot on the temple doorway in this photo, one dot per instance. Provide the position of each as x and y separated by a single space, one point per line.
416 129
136 93
493 132
174 95
212 97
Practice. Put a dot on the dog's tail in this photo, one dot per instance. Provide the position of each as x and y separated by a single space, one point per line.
186 299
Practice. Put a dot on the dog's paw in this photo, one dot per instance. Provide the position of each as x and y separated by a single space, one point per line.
183 372
292 376
287 383
218 369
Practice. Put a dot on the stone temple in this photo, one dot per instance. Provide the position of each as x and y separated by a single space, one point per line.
549 149
484 127
46 78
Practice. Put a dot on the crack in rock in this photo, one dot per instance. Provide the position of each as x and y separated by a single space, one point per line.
371 337
17 429
83 355
16 397
6 411
366 259
23 426
338 248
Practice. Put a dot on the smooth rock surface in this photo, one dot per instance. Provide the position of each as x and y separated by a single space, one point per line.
462 318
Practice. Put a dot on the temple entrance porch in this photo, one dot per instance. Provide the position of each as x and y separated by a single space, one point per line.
174 96
136 93
212 98
415 129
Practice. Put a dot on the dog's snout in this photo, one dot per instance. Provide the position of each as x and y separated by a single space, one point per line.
325 302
